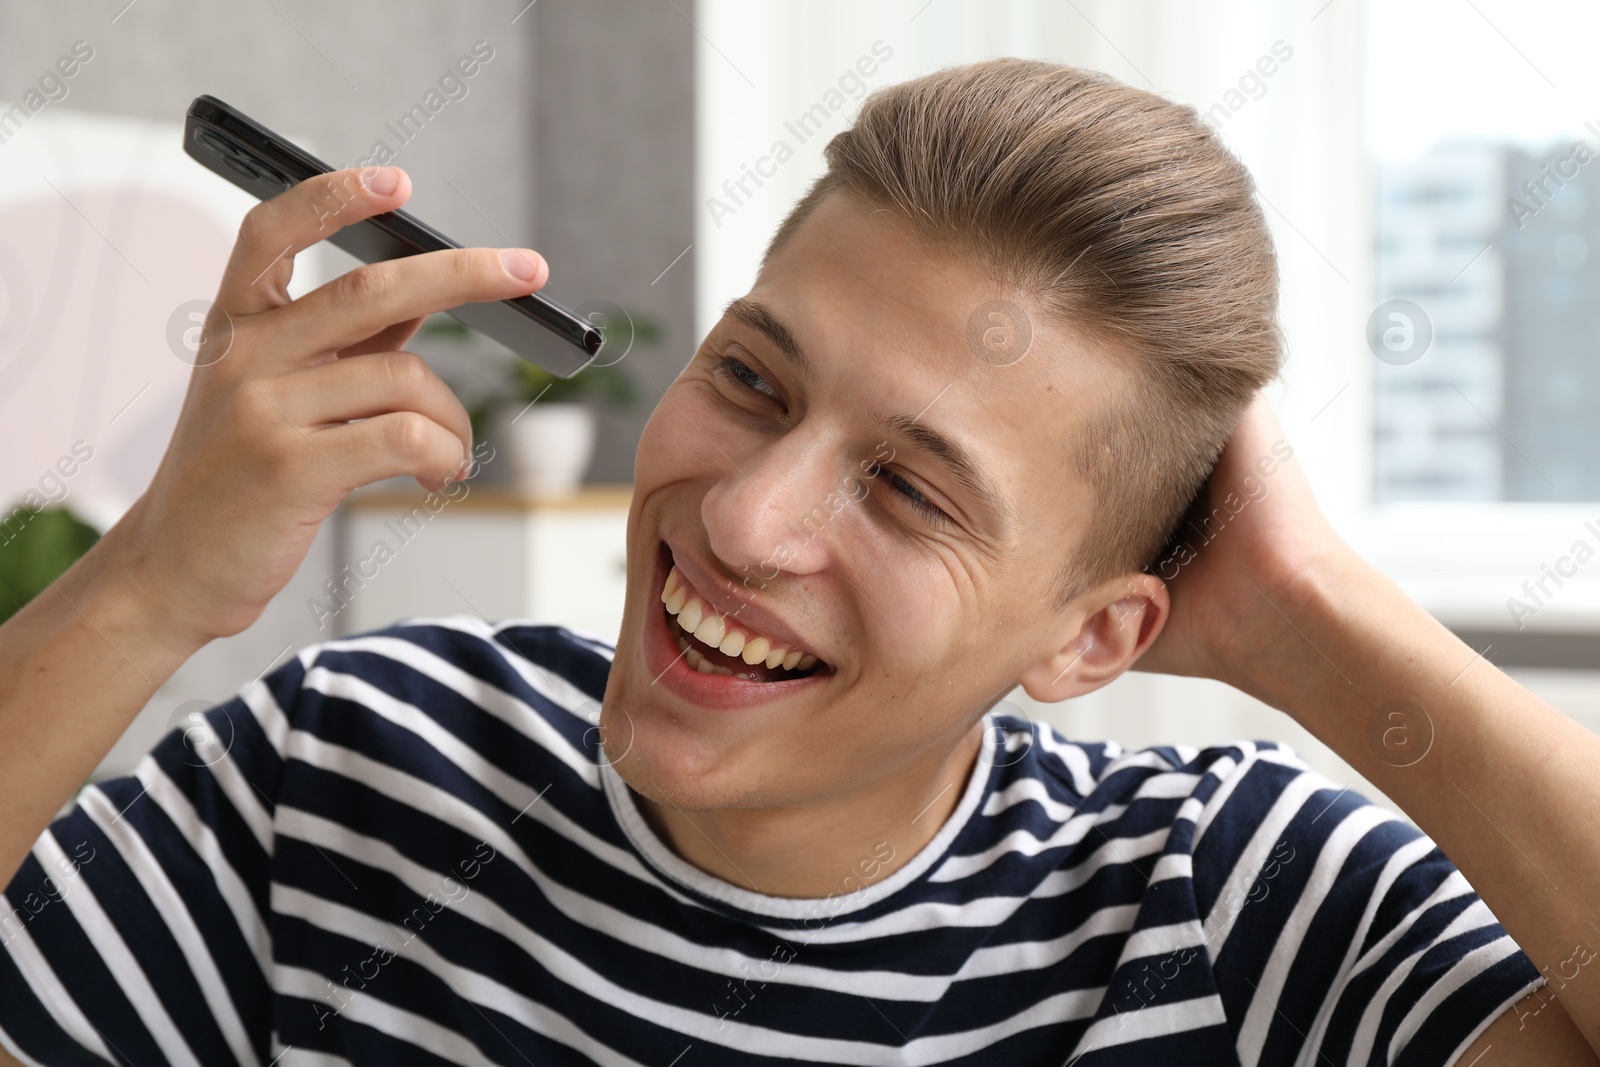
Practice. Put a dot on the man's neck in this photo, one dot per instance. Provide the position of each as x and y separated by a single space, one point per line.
835 846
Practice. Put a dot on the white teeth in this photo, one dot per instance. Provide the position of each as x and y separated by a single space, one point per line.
711 629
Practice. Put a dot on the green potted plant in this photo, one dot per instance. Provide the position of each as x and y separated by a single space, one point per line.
36 547
545 424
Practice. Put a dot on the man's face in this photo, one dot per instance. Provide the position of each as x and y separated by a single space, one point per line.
811 500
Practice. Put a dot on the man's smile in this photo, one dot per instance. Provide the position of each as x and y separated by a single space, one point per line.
715 646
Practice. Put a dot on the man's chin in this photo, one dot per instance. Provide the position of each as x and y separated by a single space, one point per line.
665 775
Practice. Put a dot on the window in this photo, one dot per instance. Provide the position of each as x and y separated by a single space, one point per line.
1487 254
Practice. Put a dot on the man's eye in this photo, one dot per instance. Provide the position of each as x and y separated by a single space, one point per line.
926 507
749 379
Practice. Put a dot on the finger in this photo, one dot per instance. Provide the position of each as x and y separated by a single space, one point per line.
391 445
369 298
275 231
362 387
388 339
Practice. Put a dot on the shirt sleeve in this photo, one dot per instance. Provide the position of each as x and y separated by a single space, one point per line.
1340 931
136 929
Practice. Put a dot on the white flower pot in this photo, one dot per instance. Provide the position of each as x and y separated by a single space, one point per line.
548 446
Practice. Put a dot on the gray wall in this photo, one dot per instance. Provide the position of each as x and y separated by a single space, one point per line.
614 151
577 138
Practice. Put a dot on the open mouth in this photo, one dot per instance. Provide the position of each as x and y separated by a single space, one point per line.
724 644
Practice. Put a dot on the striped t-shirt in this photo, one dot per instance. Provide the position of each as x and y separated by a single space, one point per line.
405 847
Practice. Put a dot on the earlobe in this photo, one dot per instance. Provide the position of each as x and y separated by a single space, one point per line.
1132 611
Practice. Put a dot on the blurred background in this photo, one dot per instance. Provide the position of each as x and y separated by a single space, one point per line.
1426 169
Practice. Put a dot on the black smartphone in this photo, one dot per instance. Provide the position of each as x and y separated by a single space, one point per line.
263 164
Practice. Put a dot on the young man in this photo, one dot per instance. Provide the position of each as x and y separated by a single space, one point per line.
935 452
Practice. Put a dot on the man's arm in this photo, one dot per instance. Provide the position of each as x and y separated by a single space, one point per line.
1509 788
1536 1032
1506 785
291 405
76 665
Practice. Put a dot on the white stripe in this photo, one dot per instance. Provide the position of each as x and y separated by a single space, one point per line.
536 676
1241 880
1146 759
1463 971
1489 1020
1025 789
169 904
1401 860
515 791
1167 785
1324 875
1124 850
1229 772
470 985
1162 940
245 798
484 696
257 696
1173 865
117 957
38 973
477 627
1072 758
1454 885
429 797
386 1018
291 1056
1012 958
176 803
1024 843
1157 1021
1475 915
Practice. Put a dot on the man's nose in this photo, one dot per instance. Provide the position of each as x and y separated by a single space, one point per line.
759 516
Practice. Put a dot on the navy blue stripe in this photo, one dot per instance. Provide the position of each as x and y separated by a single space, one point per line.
72 956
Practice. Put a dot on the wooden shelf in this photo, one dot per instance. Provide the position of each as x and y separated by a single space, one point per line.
497 498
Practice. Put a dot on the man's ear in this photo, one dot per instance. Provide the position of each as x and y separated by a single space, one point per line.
1123 617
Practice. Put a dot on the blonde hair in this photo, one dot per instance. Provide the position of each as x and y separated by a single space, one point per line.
1120 214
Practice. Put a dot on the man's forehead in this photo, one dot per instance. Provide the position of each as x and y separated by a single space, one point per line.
862 280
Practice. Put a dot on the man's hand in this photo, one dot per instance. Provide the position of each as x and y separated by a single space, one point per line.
291 406
266 445
1270 600
1255 529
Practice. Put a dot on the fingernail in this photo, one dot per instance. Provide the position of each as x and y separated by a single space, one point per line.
381 180
522 264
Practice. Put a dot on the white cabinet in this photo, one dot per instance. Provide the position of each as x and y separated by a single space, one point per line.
491 552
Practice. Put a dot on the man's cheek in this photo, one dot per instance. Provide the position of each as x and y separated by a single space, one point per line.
671 446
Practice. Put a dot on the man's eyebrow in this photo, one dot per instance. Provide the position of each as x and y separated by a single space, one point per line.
760 318
956 459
